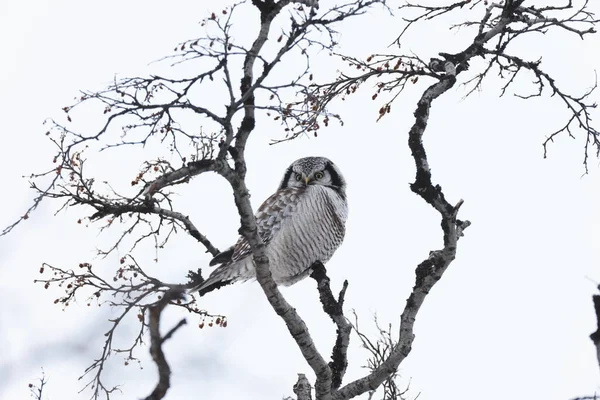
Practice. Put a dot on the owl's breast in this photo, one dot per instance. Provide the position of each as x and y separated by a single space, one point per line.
313 232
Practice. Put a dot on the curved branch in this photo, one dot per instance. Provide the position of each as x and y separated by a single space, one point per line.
178 176
156 342
430 270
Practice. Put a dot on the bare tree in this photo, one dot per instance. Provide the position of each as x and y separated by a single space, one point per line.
170 110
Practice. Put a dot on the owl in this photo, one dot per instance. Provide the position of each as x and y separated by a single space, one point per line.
301 223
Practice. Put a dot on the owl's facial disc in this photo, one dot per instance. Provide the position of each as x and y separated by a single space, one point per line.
313 171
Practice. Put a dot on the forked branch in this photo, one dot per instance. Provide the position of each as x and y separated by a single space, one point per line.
334 308
156 342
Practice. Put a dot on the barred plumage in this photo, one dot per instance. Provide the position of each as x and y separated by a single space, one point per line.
301 223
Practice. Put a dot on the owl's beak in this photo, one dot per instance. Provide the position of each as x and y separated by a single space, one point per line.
306 180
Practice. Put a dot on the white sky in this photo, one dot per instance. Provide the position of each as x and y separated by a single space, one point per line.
510 318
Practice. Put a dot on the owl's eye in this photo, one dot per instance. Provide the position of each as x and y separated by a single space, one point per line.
298 176
319 175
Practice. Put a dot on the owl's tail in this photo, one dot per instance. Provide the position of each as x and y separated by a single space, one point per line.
226 274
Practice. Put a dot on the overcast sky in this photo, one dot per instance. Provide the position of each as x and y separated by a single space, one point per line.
510 319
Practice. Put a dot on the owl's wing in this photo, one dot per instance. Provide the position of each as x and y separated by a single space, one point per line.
280 206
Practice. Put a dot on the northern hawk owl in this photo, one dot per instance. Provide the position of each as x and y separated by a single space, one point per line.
301 223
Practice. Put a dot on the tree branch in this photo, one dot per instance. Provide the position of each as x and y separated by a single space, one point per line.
294 323
596 335
334 308
156 342
302 388
431 269
36 391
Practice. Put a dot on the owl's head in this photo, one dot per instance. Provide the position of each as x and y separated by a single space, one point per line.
313 171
